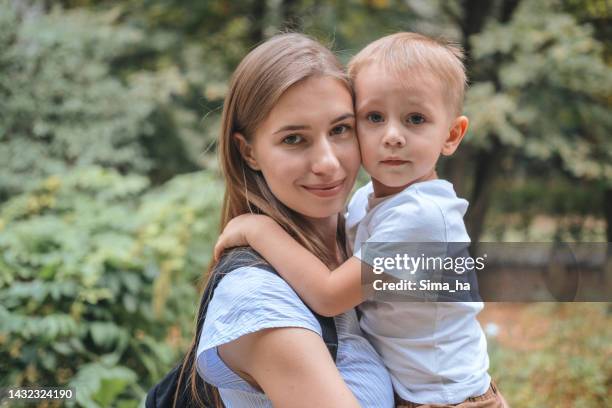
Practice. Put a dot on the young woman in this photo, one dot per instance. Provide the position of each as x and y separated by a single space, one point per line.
288 150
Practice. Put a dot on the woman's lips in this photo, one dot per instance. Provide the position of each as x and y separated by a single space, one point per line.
325 190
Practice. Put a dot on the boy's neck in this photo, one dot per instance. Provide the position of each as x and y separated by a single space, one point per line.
382 190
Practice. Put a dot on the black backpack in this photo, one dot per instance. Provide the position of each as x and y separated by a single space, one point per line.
162 393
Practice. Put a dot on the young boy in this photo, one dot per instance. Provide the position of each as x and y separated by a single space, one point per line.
409 94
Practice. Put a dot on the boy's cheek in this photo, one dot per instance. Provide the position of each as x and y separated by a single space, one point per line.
368 154
363 133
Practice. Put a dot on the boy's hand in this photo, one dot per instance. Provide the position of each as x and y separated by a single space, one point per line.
239 231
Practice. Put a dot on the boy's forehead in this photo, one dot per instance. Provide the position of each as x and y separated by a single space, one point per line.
413 80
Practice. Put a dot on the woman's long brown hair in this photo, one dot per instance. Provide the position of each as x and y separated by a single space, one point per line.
261 78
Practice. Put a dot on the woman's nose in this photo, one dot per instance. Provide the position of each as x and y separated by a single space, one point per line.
393 137
324 158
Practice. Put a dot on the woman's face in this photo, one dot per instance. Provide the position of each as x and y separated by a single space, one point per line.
307 148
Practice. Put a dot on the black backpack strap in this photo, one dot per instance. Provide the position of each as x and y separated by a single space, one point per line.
329 333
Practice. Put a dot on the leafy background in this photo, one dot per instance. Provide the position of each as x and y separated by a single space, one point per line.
110 193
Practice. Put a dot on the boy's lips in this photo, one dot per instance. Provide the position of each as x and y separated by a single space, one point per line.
325 189
393 161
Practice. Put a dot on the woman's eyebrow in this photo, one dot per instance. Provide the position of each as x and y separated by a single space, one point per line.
305 127
292 128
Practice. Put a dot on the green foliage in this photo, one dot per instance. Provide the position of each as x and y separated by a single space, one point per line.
61 107
348 26
552 100
561 198
191 49
103 103
87 264
545 209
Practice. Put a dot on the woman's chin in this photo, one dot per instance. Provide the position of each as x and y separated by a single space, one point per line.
320 210
313 206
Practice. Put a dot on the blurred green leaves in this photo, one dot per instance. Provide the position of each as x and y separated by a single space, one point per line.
553 95
109 200
60 106
97 278
63 104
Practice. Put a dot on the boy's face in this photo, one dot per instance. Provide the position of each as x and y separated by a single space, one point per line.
403 126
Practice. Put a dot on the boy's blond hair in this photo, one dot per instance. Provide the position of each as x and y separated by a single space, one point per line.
412 53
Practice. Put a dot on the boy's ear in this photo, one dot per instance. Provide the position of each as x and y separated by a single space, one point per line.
246 150
455 135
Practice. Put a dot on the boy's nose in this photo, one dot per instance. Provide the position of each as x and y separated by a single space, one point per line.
393 138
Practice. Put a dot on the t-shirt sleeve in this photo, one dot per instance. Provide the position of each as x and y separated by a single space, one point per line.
413 220
412 228
247 300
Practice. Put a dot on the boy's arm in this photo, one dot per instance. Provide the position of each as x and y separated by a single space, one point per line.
328 293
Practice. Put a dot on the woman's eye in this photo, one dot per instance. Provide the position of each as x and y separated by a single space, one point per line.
292 139
340 129
416 119
375 117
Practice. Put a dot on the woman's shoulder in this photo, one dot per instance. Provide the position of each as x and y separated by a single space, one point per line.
249 299
257 289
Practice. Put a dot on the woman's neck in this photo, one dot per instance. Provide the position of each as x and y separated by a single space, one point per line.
328 228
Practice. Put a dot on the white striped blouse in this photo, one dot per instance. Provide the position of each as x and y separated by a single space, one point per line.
250 299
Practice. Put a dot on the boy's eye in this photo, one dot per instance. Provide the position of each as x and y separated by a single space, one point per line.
375 117
416 119
292 139
340 129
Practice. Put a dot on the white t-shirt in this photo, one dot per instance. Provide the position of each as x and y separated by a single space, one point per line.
436 352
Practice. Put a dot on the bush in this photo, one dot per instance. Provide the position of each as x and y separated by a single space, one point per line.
62 106
97 280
